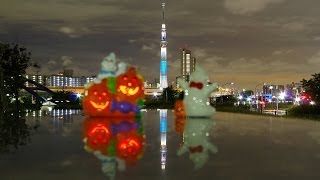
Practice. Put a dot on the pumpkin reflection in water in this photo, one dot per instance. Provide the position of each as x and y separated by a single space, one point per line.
130 147
116 142
96 135
130 86
97 99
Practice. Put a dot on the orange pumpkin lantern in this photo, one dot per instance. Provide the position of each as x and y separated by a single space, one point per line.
130 86
130 146
179 108
97 100
97 134
180 123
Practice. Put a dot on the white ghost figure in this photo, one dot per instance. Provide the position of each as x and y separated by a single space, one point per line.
122 68
196 94
109 165
196 141
109 68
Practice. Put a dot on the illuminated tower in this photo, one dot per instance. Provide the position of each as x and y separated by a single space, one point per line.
163 54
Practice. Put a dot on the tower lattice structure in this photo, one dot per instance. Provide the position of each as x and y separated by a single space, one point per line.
163 53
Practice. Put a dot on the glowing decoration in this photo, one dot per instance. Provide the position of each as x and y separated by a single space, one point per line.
97 99
116 142
196 140
97 135
179 109
196 94
117 91
130 86
180 124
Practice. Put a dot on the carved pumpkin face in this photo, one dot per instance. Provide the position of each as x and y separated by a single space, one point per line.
96 134
97 100
130 86
130 147
180 123
179 109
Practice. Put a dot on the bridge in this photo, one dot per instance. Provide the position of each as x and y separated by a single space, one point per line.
52 90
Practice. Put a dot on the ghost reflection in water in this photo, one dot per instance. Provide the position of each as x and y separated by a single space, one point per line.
196 139
116 142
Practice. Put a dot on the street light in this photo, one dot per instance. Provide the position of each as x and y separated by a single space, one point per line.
281 96
257 95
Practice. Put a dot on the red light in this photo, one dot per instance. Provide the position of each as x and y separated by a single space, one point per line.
134 79
129 147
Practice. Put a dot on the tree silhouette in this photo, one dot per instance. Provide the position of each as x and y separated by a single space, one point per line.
312 87
14 61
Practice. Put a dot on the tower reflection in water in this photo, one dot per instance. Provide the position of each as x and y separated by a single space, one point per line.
116 142
195 139
163 137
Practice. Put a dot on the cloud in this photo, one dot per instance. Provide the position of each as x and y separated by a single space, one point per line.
279 52
248 6
315 59
150 47
51 62
70 10
66 60
294 26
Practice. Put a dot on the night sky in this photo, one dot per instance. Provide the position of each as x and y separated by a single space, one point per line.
242 41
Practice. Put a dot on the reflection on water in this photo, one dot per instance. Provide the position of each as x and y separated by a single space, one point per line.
116 142
163 137
14 130
195 139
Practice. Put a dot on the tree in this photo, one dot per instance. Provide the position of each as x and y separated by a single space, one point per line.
170 95
14 60
312 87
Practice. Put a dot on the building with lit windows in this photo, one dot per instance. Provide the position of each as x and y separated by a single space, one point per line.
62 81
36 78
188 63
59 80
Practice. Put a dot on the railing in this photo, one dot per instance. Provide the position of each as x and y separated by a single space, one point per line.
275 112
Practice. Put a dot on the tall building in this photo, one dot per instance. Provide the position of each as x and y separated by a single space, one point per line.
188 63
163 53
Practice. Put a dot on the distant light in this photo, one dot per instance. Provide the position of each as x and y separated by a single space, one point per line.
79 95
240 97
248 99
282 95
312 103
297 99
154 93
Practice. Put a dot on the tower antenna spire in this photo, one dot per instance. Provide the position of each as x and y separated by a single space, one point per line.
163 10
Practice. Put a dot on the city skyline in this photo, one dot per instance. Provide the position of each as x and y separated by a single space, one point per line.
246 42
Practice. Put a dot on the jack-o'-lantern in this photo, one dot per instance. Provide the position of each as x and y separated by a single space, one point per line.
97 134
179 109
97 99
180 123
130 146
130 86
